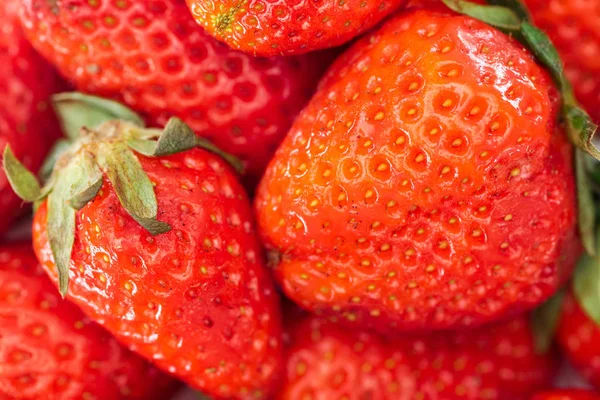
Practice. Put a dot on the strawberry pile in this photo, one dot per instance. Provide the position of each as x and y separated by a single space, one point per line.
300 200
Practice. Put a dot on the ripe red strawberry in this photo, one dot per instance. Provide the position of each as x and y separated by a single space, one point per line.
50 350
579 338
325 361
567 394
573 27
153 56
427 184
288 26
165 255
26 120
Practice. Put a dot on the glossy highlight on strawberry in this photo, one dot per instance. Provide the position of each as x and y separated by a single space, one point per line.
288 26
427 185
50 350
154 57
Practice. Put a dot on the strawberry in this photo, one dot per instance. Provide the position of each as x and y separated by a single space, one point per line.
26 121
288 27
579 338
427 184
155 235
153 56
50 350
567 394
325 361
573 27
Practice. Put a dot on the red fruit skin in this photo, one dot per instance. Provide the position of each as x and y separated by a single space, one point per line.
567 394
196 300
50 350
152 56
326 361
27 123
286 27
573 27
426 185
579 340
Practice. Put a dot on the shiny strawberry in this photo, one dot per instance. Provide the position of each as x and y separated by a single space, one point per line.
325 361
50 350
573 27
567 394
26 120
155 235
427 184
153 56
288 26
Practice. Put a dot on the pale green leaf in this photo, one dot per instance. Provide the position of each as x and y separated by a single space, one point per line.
132 186
76 110
23 182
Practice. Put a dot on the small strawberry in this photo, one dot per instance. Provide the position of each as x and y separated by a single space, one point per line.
427 184
567 394
153 56
573 27
27 123
288 26
156 237
50 350
325 361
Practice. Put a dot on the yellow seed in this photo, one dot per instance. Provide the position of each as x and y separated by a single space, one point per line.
302 167
413 86
412 111
382 167
326 173
379 116
341 197
434 131
476 233
409 252
377 90
515 172
341 275
528 110
483 154
391 203
400 140
452 73
443 245
369 193
504 245
419 158
508 217
495 126
447 103
430 268
445 170
420 231
356 299
365 263
482 208
456 142
452 220
474 111
468 259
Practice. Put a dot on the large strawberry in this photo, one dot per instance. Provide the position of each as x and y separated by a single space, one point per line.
156 237
325 361
573 27
567 394
50 350
288 26
427 184
153 56
26 120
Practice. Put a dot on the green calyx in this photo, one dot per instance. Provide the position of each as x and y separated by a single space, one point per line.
544 321
512 17
104 139
586 284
